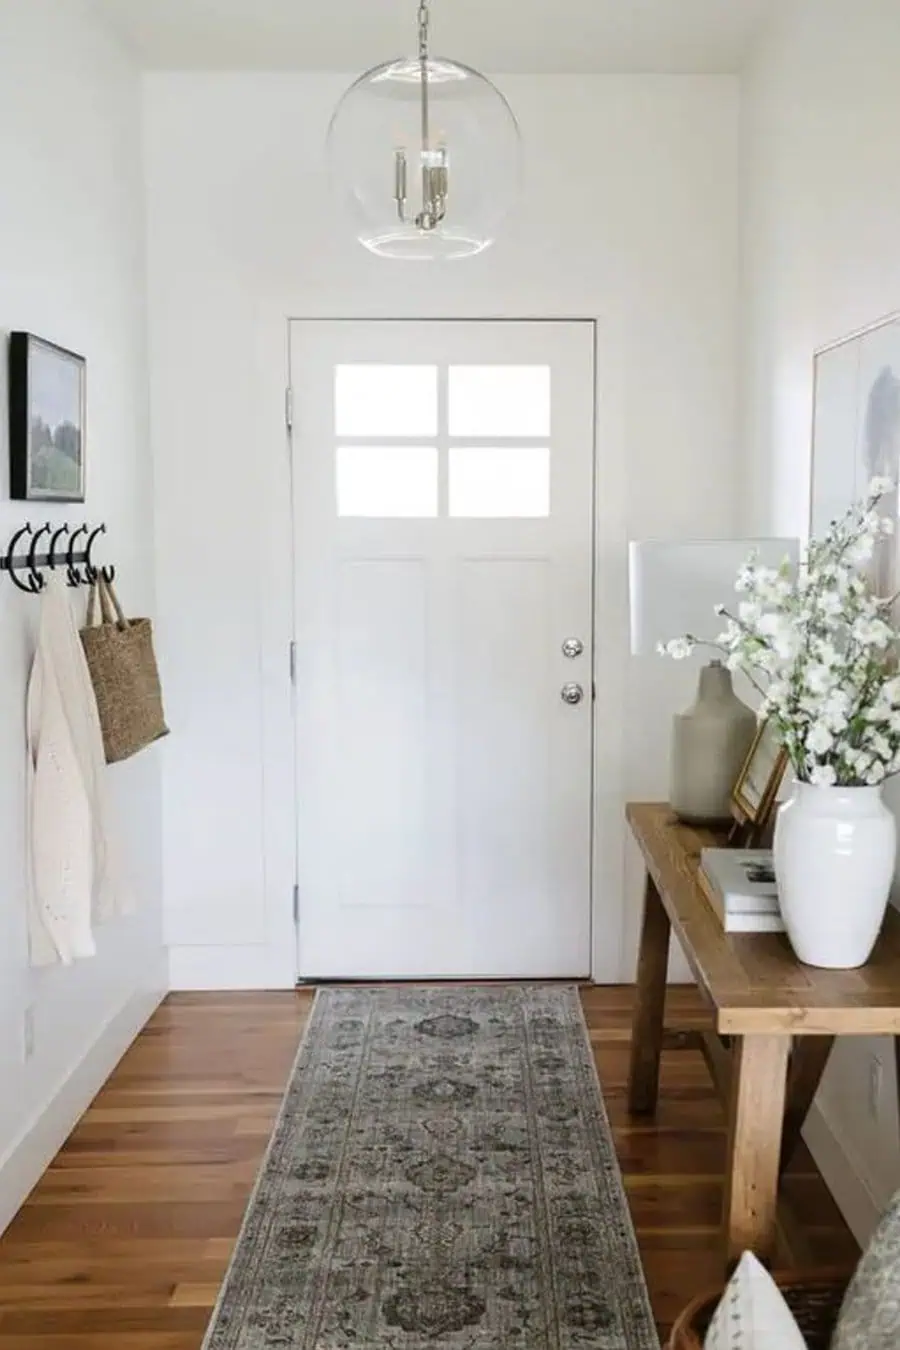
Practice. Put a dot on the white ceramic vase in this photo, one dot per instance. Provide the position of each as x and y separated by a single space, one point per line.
834 862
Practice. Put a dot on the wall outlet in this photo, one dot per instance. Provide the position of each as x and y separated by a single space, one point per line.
28 1032
876 1080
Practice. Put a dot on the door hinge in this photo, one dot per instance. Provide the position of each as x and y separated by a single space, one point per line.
296 903
289 408
292 660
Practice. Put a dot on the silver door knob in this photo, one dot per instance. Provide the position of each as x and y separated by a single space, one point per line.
571 693
572 647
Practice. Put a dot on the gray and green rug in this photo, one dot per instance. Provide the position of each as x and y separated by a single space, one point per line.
442 1177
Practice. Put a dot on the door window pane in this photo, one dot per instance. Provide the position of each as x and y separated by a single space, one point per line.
499 400
387 480
500 480
383 400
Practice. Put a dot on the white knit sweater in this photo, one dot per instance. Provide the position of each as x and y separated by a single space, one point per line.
73 878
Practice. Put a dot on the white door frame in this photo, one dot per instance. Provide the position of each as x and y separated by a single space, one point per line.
621 937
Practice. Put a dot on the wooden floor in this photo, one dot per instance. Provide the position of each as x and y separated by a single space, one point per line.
125 1241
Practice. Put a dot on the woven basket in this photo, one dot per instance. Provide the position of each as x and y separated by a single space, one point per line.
122 665
815 1300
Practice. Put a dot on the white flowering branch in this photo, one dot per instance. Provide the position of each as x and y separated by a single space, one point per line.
820 648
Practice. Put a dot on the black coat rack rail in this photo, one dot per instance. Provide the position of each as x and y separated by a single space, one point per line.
57 554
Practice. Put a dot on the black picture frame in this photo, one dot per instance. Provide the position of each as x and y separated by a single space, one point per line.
47 420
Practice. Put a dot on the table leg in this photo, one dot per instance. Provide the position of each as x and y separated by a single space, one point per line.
756 1114
647 1024
808 1059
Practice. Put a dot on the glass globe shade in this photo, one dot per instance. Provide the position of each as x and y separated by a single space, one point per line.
471 129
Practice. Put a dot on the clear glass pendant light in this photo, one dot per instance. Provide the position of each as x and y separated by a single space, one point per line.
425 156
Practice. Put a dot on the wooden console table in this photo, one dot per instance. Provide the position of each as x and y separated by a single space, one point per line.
773 1020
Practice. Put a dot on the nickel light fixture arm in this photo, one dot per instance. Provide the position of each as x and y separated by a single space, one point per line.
433 163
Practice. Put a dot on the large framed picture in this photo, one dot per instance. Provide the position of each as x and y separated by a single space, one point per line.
46 421
856 435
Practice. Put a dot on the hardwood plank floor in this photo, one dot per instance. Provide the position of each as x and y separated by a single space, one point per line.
125 1241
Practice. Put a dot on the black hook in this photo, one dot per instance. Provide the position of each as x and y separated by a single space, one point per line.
108 574
30 589
92 572
75 577
52 560
36 577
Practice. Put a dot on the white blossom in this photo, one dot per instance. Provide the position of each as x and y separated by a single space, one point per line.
880 487
823 775
765 579
872 632
835 710
881 746
827 653
778 693
831 603
819 678
820 739
678 648
860 551
783 634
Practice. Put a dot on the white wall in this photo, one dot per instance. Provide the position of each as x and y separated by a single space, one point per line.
821 233
72 270
629 215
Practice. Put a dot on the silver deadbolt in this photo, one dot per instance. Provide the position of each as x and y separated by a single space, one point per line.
571 693
572 647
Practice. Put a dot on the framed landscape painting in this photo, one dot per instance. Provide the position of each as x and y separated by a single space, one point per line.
46 421
856 434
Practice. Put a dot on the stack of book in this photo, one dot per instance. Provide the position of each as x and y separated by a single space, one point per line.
739 884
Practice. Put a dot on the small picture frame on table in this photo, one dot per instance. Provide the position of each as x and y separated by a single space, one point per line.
47 405
756 790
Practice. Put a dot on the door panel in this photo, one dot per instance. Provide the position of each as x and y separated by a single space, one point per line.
443 487
504 673
383 706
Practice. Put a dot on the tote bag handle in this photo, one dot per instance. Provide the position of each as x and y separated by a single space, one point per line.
111 610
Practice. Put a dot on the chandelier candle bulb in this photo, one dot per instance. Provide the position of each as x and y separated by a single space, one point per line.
400 181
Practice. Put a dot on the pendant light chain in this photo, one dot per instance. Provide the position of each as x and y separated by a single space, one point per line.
424 20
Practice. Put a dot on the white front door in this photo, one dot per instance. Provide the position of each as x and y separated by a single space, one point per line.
443 494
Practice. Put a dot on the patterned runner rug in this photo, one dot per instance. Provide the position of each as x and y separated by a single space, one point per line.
442 1177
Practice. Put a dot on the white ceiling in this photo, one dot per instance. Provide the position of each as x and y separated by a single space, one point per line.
555 36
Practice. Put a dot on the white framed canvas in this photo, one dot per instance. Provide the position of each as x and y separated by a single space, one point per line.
856 434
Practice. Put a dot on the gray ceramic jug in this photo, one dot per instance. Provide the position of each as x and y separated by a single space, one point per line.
710 743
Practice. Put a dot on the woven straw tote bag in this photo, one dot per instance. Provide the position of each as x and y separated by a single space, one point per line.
122 665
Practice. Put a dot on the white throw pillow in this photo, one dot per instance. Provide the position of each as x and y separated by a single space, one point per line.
752 1314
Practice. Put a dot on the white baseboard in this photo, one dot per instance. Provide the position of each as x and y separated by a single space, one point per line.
231 968
29 1157
844 1175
